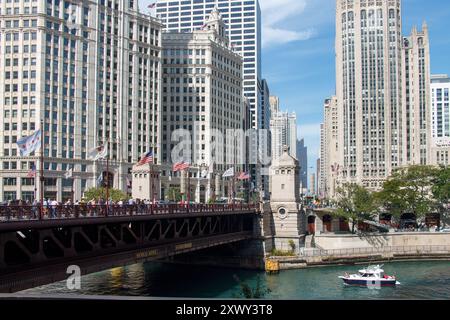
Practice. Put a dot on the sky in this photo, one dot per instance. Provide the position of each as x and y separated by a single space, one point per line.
298 54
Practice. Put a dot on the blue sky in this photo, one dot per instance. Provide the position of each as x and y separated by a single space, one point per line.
298 53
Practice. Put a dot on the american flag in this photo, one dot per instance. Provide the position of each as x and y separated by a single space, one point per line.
152 5
32 172
180 166
244 176
146 158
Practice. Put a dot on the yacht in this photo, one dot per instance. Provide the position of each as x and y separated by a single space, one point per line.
373 276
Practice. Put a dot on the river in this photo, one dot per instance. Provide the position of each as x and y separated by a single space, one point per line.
419 280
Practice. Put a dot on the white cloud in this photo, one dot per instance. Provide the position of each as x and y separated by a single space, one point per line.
275 13
279 36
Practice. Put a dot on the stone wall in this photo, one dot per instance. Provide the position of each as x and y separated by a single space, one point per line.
329 242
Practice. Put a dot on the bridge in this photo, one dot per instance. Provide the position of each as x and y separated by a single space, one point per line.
37 245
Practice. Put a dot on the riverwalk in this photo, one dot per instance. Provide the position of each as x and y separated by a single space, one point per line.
313 257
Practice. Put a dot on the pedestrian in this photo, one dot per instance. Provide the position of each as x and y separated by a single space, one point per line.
54 205
35 208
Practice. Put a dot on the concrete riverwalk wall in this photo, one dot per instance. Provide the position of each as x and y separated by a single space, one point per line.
409 239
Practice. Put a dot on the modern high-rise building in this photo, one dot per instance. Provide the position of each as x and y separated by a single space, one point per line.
283 128
243 21
302 157
265 144
440 107
381 88
440 117
202 93
265 103
89 71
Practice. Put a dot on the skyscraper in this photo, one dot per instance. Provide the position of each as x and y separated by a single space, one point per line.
381 91
243 20
283 128
440 110
440 117
416 98
302 157
368 85
202 93
89 71
329 148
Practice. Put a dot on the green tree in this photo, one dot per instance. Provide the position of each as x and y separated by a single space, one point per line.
441 191
408 190
355 203
100 193
174 194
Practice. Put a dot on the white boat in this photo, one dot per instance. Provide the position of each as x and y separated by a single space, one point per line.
373 276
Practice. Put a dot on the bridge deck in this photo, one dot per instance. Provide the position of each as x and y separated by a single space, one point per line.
19 217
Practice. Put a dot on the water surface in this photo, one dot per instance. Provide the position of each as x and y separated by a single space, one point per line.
419 280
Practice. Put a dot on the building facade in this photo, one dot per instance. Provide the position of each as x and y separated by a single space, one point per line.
440 119
329 149
382 92
274 104
89 71
416 98
202 94
283 128
243 20
302 157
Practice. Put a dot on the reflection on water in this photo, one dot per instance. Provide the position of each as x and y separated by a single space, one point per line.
419 280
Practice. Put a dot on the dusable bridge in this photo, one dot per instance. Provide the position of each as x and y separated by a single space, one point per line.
38 245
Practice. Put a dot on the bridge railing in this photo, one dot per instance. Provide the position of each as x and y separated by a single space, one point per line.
18 213
399 250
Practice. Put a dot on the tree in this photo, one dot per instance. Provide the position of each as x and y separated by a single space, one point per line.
355 203
100 193
408 190
441 191
174 194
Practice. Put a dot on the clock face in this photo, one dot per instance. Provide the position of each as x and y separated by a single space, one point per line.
282 213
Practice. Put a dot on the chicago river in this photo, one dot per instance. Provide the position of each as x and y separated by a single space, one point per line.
419 280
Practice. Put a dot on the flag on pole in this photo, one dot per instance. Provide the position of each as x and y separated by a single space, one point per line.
99 179
69 173
32 172
180 166
203 26
204 174
244 176
228 173
29 144
100 152
152 5
146 158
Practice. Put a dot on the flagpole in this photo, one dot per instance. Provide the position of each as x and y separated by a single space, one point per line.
107 177
73 181
151 174
189 189
42 170
151 186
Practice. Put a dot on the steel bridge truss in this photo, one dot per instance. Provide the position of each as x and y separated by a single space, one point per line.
48 247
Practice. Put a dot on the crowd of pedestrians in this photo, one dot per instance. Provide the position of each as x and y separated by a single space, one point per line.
52 208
